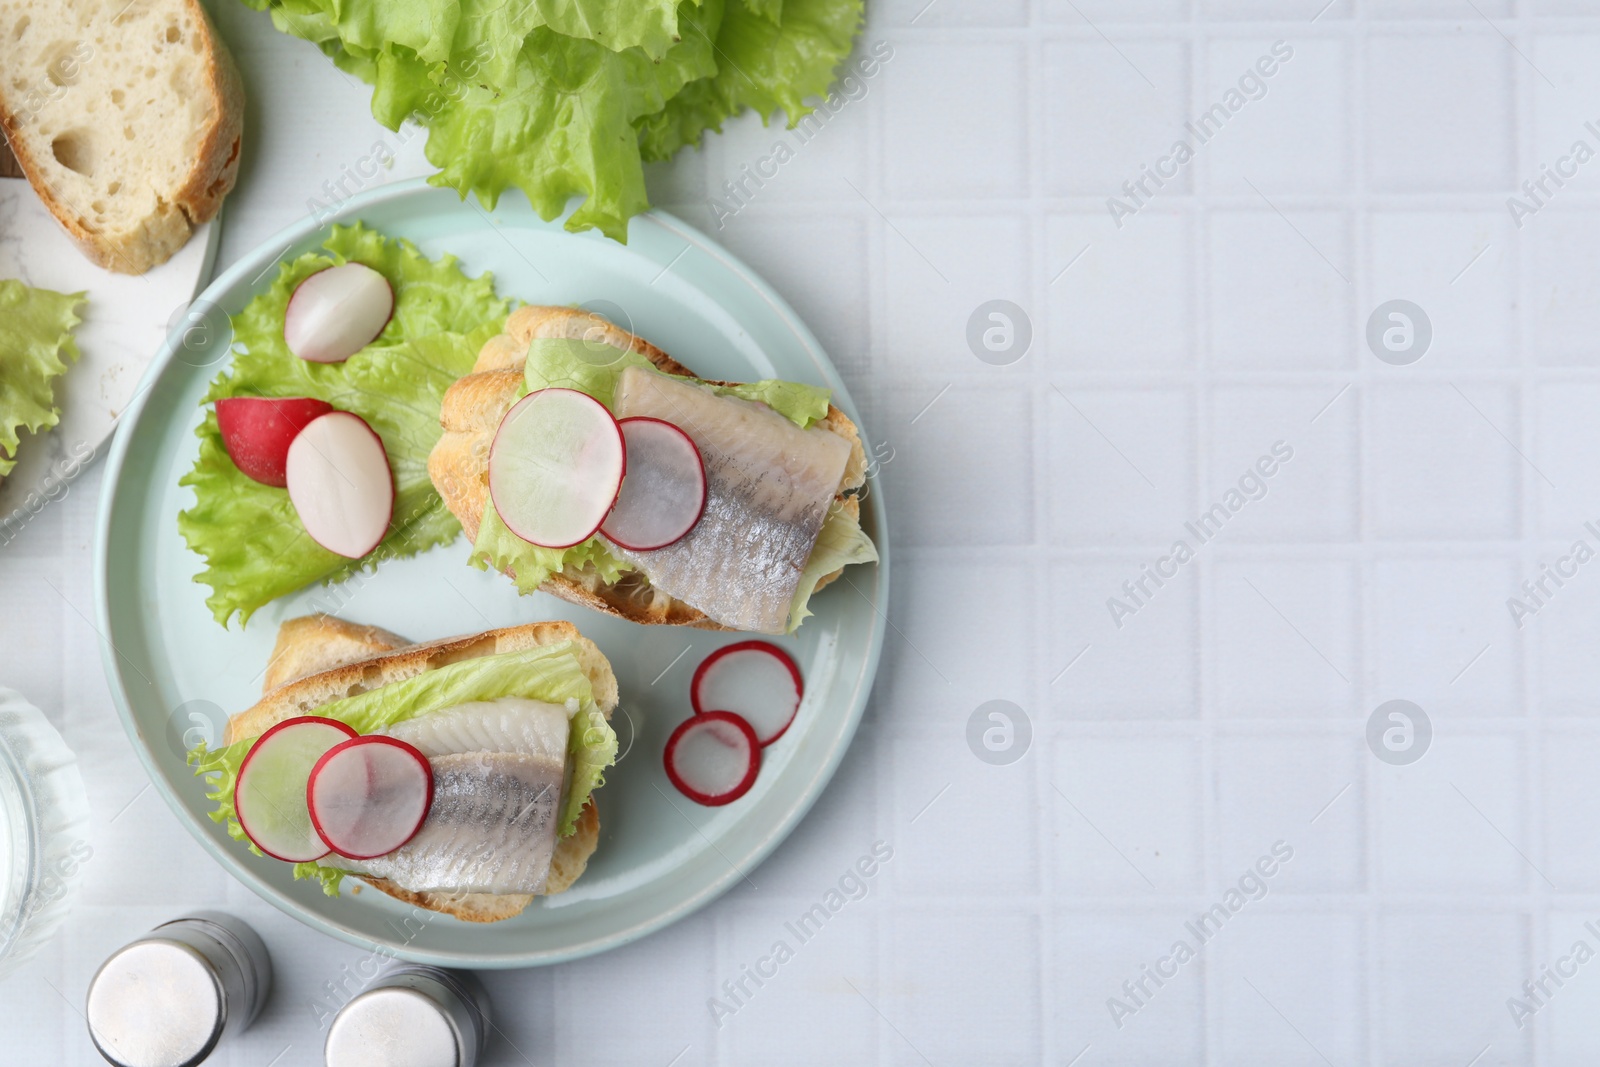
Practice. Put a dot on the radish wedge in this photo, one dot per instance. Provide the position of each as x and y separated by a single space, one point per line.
340 483
664 494
556 466
713 758
337 312
258 430
369 795
269 796
755 680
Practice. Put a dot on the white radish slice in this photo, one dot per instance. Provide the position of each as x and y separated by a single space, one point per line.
555 467
713 758
664 494
756 680
368 796
337 312
269 796
340 483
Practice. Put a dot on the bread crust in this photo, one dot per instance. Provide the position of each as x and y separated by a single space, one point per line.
476 403
197 199
312 647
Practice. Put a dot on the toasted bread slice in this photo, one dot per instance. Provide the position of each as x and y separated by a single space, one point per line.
471 413
126 118
315 645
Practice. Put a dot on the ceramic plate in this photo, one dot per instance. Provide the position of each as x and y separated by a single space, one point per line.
175 673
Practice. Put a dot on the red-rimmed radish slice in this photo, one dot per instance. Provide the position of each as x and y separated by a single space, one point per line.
340 483
755 680
555 467
664 494
257 432
269 796
369 795
337 312
713 758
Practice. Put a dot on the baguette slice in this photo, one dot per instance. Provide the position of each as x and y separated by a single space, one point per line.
471 413
319 658
126 117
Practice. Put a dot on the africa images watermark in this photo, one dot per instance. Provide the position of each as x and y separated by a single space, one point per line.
53 486
1538 991
1251 886
739 191
1552 577
1252 485
1252 85
452 84
852 885
1539 191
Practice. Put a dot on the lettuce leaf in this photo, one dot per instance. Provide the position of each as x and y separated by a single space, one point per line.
35 346
254 545
565 98
562 124
550 673
840 543
595 368
771 55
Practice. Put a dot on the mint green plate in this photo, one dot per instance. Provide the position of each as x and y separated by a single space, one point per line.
175 673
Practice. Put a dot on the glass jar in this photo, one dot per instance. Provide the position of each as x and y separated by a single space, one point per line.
44 829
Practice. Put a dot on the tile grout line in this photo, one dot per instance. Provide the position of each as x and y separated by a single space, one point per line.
1530 749
1200 400
1356 131
1045 353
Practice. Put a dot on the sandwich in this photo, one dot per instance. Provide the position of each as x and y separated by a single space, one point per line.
454 775
125 117
781 472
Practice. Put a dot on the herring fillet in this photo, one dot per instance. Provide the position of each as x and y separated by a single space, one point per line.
510 724
769 485
491 828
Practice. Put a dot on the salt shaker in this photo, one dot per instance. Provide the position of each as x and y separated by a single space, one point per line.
169 998
412 1016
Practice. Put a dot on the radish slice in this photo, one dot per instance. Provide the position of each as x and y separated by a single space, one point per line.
755 680
555 467
340 483
664 494
713 758
258 430
269 796
369 795
337 312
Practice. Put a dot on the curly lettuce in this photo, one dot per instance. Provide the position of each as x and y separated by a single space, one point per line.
254 545
551 673
569 98
36 345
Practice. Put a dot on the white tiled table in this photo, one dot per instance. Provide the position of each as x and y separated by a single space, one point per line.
1228 711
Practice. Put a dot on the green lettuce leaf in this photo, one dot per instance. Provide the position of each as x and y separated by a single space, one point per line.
595 368
762 64
649 25
550 673
253 542
35 346
565 98
562 125
840 543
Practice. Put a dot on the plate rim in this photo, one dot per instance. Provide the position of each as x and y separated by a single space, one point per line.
767 841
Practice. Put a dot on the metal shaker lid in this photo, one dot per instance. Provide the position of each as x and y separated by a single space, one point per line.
169 998
413 1017
156 1003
